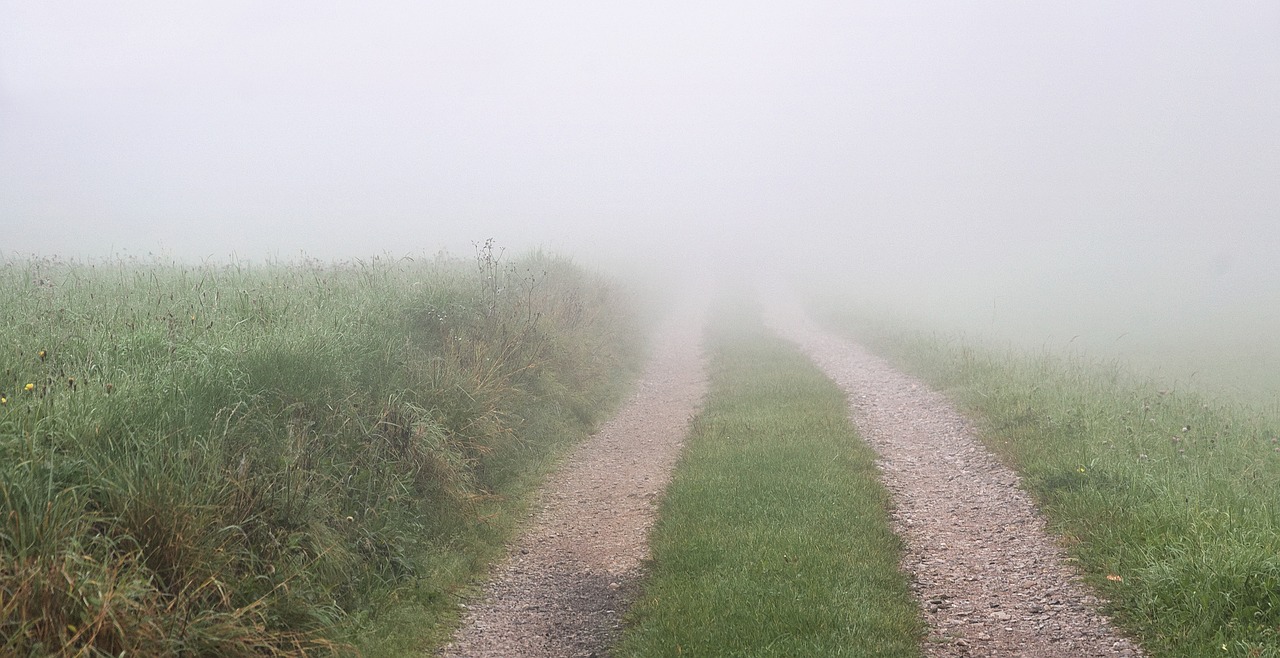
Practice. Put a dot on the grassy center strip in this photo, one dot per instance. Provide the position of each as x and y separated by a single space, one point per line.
773 538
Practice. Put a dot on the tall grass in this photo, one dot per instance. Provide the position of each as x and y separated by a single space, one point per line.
773 537
1167 497
249 460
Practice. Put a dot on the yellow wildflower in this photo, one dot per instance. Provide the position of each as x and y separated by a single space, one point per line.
29 387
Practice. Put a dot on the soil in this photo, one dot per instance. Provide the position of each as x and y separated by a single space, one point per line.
565 584
989 578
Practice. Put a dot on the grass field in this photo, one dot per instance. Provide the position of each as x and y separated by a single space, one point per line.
773 537
1168 497
261 460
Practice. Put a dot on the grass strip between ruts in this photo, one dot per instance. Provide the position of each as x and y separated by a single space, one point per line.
773 538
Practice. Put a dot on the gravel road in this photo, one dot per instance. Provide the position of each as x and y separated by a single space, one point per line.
989 578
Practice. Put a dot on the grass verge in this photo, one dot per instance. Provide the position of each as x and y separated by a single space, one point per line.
284 459
773 537
1168 498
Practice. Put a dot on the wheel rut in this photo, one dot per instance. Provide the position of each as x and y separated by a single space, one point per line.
989 579
567 581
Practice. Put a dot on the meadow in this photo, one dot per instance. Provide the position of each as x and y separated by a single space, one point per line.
277 459
1164 492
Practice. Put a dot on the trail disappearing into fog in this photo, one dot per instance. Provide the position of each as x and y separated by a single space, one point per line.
566 583
989 579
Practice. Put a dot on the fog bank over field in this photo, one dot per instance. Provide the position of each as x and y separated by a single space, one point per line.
1053 166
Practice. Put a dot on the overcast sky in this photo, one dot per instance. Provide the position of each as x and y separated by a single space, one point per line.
892 137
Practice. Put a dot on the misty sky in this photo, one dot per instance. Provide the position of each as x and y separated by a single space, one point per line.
939 138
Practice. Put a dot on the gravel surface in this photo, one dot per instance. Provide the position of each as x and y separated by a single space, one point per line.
990 580
565 584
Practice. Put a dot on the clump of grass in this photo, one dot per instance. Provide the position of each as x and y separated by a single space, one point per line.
1166 496
275 460
773 538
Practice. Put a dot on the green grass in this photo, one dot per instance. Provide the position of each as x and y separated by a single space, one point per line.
773 537
1175 492
282 459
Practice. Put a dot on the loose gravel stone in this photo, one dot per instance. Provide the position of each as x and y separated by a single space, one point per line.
990 580
565 584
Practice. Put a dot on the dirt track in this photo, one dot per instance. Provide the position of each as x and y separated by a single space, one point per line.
989 579
565 584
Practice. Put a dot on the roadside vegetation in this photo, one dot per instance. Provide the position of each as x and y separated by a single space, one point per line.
773 537
281 459
1167 497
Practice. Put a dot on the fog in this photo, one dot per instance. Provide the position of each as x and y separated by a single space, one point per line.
1014 163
